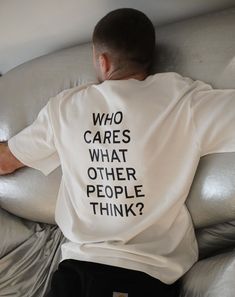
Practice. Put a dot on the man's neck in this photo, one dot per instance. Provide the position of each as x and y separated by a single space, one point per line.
117 74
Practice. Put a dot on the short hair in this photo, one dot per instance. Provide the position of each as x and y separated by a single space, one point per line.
129 34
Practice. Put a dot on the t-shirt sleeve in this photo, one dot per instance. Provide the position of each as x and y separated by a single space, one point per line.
214 118
34 146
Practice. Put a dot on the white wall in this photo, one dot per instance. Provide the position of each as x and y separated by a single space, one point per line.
30 28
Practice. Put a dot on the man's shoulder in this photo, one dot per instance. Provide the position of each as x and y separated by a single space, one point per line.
67 94
78 90
170 76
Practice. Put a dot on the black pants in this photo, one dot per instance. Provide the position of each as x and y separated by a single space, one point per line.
85 279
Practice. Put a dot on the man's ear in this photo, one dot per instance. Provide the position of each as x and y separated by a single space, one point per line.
105 64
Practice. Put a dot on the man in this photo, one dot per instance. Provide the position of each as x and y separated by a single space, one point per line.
128 148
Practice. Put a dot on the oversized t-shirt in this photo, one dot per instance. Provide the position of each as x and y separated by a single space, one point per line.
129 150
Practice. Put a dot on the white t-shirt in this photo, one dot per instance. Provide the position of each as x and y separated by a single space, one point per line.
129 150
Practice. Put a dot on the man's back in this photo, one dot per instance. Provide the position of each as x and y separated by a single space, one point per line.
128 151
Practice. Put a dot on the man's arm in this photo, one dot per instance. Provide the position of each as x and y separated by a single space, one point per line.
8 162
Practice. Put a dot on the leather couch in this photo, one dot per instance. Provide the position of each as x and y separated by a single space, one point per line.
202 48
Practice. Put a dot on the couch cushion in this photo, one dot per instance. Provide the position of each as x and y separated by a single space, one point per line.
212 196
201 47
23 92
215 239
211 277
13 232
27 268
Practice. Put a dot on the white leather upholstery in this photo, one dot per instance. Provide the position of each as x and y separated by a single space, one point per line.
23 92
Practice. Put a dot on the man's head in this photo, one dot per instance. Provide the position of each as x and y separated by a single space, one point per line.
124 45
